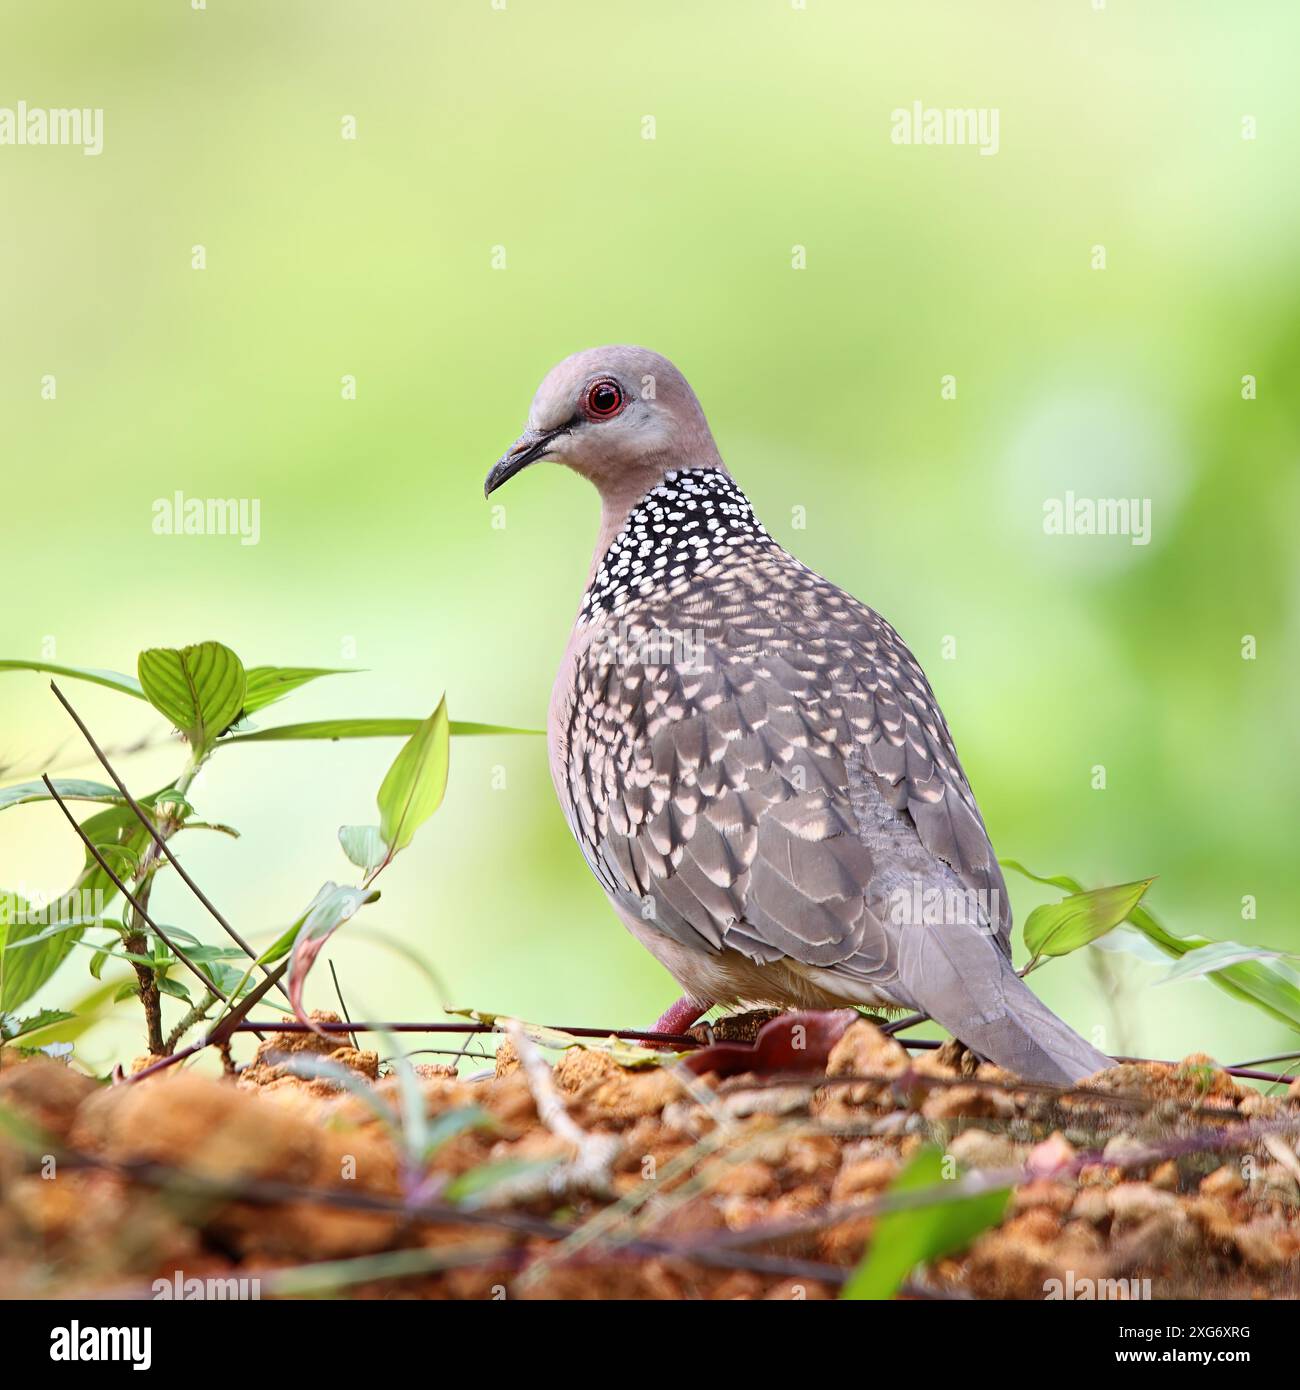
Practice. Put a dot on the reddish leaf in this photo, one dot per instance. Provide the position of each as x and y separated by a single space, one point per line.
329 909
800 1041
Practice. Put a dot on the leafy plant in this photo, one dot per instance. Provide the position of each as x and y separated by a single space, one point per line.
1254 974
1056 929
922 1230
207 695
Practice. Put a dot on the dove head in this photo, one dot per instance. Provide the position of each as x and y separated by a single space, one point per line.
622 417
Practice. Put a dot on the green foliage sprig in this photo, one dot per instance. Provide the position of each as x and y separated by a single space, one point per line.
207 695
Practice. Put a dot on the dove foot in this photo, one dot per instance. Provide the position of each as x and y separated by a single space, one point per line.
680 1016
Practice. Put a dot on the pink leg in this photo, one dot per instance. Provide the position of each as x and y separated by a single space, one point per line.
680 1016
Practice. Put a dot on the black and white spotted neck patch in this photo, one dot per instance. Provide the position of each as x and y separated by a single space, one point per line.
694 519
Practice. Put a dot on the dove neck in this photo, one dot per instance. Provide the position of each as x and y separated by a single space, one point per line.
621 498
691 520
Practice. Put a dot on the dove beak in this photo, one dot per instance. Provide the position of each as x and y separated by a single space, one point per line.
528 448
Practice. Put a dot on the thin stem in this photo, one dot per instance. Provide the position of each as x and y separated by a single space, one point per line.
150 996
196 1015
899 1024
1261 1061
136 941
136 903
221 1030
159 840
343 1008
682 1040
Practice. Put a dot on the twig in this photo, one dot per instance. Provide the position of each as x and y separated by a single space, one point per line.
910 1079
149 993
136 905
220 1031
602 1224
899 1024
272 1191
195 1015
158 839
678 1040
1202 1141
1260 1061
1243 1071
260 1027
684 1042
591 1168
338 990
459 1053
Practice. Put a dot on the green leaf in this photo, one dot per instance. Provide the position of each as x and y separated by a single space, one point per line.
414 786
918 1234
446 1126
11 1027
1071 885
213 825
1131 942
114 680
1056 929
329 909
267 684
312 1067
369 728
121 839
229 979
88 1010
282 945
69 788
169 802
199 689
1266 985
59 927
174 988
205 955
415 1118
475 1187
31 952
1270 986
332 729
1216 956
97 963
363 845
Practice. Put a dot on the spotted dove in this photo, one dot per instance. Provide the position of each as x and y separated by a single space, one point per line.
752 761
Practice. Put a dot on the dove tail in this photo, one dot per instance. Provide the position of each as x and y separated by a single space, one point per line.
960 977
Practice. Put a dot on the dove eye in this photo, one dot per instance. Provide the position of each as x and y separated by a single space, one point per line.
604 399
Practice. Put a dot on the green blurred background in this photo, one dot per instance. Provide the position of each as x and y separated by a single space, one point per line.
521 128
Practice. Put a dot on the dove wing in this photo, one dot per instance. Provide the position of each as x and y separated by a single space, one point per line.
744 778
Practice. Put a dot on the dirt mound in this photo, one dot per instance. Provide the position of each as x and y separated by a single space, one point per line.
593 1179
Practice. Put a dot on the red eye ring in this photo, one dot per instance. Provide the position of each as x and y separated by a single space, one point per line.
603 399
